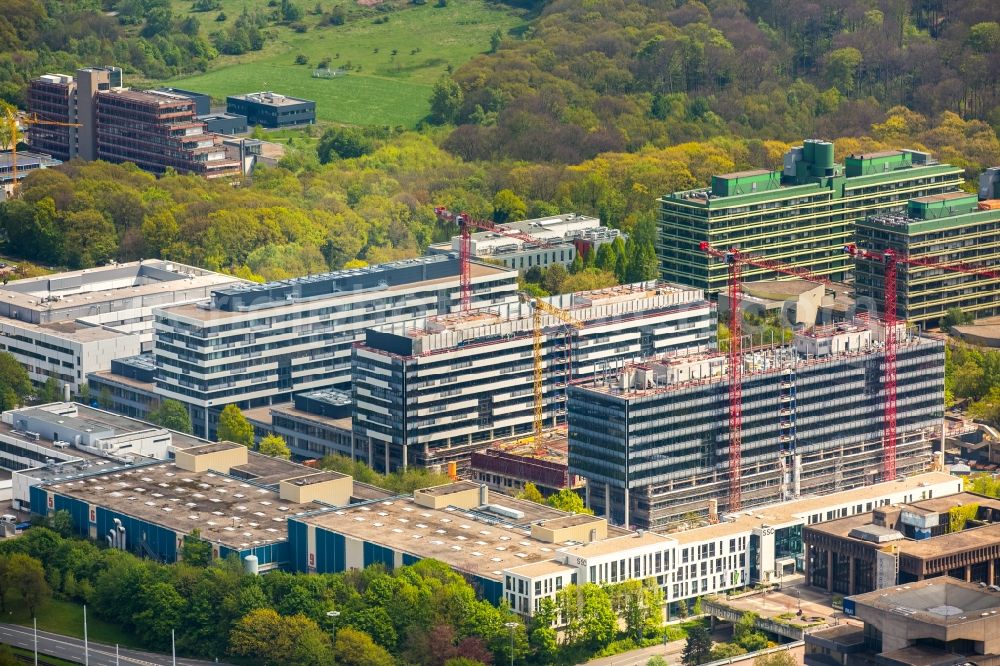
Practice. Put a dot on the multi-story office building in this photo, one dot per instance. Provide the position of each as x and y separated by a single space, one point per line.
561 238
314 424
269 109
431 392
653 442
802 215
70 100
71 324
957 535
255 345
158 131
953 228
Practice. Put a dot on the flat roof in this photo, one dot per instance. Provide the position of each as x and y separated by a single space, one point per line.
449 489
944 196
875 154
314 477
270 98
102 284
264 416
67 330
613 544
941 601
26 158
475 541
786 512
193 311
227 510
543 568
213 447
744 174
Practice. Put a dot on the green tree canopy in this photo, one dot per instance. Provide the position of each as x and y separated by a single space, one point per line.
531 493
271 639
15 385
173 415
234 427
697 647
569 501
274 445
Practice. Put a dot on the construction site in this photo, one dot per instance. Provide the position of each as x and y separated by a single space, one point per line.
652 441
508 464
431 391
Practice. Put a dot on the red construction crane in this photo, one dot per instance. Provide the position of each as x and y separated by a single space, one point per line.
465 225
735 259
890 259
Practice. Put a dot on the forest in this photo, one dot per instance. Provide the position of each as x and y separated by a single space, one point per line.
420 614
598 108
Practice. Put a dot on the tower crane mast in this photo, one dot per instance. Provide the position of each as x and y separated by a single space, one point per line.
466 223
890 259
735 259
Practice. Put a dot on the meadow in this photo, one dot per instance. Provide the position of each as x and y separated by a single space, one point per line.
391 57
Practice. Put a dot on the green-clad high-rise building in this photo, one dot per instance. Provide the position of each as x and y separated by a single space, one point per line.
802 215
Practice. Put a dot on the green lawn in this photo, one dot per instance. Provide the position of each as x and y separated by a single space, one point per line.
63 617
387 89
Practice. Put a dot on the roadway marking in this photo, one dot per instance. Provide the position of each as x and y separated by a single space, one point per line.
79 646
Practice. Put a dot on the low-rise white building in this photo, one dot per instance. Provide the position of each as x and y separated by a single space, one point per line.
70 324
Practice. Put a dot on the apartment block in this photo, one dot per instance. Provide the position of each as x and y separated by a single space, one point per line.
256 345
431 392
71 324
952 228
653 441
560 239
801 215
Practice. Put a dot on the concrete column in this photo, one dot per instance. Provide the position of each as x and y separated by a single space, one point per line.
806 566
850 575
586 495
829 571
968 573
626 508
991 572
607 502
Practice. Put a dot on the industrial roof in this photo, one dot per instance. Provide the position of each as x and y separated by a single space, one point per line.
235 513
478 541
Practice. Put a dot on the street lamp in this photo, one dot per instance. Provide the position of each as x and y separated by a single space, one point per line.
333 615
511 626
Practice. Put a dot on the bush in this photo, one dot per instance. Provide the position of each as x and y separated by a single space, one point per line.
301 59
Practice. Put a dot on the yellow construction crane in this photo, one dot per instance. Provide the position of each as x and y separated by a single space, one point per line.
12 121
541 307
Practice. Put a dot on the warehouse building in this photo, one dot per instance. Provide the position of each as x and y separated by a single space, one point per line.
70 324
560 239
52 441
269 109
239 502
652 441
432 391
940 622
957 535
801 215
953 228
256 345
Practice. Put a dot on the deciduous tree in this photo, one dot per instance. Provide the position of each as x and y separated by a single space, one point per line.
234 427
274 445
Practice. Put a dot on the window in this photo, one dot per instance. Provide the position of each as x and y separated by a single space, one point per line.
538 587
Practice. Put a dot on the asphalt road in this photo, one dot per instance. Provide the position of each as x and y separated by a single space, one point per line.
71 649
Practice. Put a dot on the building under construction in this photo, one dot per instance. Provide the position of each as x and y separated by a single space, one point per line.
432 391
652 442
953 228
508 464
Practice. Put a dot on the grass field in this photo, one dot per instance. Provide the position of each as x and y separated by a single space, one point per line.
63 617
28 656
380 88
